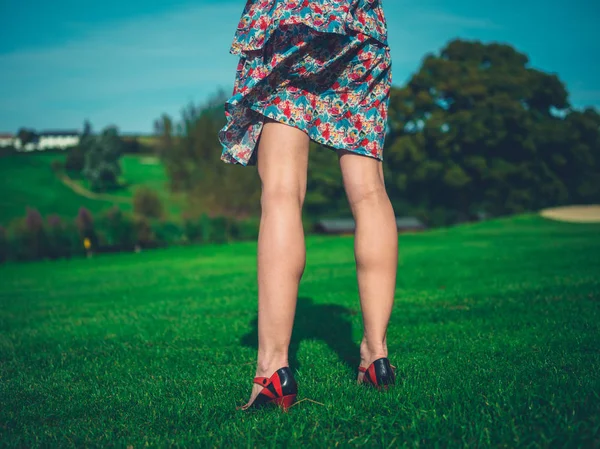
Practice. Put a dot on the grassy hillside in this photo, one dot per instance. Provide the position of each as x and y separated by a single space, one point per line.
28 180
494 332
148 171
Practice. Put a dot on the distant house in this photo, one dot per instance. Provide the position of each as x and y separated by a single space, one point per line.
410 224
57 139
336 226
6 140
347 225
53 139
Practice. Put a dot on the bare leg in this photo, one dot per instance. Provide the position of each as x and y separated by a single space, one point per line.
282 167
375 249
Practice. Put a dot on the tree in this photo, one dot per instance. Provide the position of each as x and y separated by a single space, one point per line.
102 154
477 129
191 152
26 135
76 155
147 203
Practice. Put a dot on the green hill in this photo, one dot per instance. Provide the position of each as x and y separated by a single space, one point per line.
28 180
494 332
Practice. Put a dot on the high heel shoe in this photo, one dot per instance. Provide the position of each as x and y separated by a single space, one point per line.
379 374
280 389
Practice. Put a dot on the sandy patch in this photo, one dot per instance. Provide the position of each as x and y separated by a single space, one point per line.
149 160
575 214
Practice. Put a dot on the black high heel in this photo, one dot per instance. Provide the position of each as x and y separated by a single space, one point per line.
379 374
280 389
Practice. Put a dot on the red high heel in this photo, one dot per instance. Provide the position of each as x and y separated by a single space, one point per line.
379 374
280 389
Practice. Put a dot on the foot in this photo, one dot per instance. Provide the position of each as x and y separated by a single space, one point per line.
256 388
368 356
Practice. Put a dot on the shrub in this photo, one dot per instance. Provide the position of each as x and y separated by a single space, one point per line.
75 159
246 229
85 225
167 233
192 230
147 203
27 239
120 228
36 239
145 236
206 229
220 230
3 244
63 238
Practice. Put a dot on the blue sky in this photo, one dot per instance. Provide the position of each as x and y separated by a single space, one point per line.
128 62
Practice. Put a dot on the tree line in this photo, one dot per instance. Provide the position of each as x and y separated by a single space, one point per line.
475 131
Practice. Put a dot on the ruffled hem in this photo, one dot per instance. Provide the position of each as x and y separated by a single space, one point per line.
248 107
258 25
230 156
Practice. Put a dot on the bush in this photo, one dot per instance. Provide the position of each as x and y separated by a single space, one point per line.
3 244
75 159
35 237
205 229
147 203
246 229
167 233
63 238
192 230
27 237
85 225
31 237
120 228
220 230
144 233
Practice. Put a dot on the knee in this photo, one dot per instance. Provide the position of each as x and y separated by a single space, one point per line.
277 196
360 193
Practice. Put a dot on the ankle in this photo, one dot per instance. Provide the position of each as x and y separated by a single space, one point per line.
266 366
369 352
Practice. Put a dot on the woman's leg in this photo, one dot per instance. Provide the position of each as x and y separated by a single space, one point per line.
282 167
375 249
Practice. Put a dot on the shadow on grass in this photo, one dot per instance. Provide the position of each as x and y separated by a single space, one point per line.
329 323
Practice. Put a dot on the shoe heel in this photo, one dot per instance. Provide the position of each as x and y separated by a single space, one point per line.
285 402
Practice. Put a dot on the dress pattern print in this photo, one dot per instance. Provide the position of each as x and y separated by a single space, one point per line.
321 66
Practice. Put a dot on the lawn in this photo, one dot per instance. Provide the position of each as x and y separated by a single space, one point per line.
494 331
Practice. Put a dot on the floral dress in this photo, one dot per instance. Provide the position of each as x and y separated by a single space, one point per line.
322 66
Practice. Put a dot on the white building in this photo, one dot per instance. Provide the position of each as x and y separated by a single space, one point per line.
57 139
6 140
49 140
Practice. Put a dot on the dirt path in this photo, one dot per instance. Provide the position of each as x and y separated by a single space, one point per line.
574 214
80 190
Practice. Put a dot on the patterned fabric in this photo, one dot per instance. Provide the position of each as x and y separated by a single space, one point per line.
262 17
321 66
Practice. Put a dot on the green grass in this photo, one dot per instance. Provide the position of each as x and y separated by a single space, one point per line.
148 171
494 331
28 180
